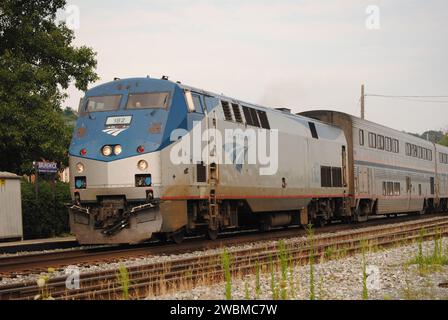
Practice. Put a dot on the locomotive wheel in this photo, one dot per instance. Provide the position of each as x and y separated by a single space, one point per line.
212 234
163 237
264 227
319 222
178 236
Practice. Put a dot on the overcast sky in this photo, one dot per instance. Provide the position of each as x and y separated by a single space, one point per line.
302 55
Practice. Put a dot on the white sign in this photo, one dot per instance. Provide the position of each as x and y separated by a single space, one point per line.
117 121
47 167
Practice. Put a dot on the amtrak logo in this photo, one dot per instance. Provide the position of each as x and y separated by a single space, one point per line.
237 153
114 132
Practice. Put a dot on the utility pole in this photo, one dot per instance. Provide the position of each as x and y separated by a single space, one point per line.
362 101
36 179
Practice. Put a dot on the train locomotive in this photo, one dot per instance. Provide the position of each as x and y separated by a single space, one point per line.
126 187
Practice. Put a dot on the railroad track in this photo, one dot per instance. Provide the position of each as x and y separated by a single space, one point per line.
14 265
38 245
159 277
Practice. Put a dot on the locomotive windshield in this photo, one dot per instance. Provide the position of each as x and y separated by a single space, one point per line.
153 100
103 103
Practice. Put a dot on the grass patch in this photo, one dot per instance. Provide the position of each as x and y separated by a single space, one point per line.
427 262
330 252
283 255
310 236
257 282
365 293
123 278
246 291
42 283
226 260
274 287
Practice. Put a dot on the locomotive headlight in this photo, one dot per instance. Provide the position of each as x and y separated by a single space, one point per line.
79 167
107 151
117 149
142 165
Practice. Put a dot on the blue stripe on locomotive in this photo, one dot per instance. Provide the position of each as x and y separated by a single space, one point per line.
138 132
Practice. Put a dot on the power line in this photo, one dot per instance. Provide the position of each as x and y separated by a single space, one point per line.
395 96
409 98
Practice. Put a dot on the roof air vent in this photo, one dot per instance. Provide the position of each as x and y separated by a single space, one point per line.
284 110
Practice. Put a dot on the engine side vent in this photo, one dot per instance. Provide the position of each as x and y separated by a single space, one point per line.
331 177
237 113
248 116
263 119
336 177
227 111
254 115
325 176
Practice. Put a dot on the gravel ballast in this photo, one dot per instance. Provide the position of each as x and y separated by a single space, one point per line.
342 278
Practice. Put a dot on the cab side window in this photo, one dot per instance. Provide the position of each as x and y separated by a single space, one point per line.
197 102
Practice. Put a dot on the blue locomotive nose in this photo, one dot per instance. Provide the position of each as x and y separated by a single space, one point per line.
135 116
103 139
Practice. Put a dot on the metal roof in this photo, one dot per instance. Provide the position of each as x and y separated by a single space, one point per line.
8 175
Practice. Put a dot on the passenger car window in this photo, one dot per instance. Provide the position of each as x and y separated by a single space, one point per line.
103 103
395 146
414 150
153 100
372 140
419 152
388 144
380 142
397 188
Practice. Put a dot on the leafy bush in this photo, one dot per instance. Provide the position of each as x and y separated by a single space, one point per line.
45 216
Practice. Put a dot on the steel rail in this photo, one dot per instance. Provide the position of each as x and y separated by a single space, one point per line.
12 265
154 276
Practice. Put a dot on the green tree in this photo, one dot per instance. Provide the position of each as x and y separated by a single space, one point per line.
46 215
37 62
70 117
444 140
432 135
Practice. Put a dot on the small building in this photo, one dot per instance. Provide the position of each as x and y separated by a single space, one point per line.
11 227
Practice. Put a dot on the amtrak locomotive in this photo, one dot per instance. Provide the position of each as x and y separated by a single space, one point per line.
128 184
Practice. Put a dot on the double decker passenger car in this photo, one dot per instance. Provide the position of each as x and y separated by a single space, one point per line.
390 171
